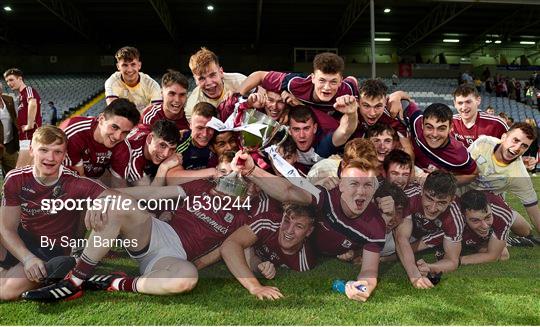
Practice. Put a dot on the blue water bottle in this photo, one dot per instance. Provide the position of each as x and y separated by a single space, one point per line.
339 286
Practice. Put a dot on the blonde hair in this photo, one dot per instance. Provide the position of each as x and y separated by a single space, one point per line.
200 60
531 121
49 134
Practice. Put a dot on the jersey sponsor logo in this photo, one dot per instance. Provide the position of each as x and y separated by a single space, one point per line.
26 189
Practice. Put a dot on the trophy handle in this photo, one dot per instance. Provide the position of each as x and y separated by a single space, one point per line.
286 134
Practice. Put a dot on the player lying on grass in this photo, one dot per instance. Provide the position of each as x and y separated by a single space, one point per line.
276 237
351 217
433 220
489 221
163 250
32 230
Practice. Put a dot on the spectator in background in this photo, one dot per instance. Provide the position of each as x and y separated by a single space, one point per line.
533 148
490 111
486 74
518 90
54 113
9 138
129 83
511 85
395 80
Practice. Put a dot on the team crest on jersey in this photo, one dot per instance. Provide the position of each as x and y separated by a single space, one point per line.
480 160
229 217
346 244
57 191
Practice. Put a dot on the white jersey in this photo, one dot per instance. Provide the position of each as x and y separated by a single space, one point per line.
499 177
231 82
146 92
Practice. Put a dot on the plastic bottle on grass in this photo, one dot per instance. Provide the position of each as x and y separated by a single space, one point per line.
339 286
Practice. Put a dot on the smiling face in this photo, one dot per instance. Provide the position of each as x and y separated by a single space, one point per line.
211 81
274 105
480 221
436 132
513 144
223 142
398 174
129 70
48 158
467 106
159 149
325 85
433 205
371 109
174 99
384 143
293 231
14 82
200 134
113 130
357 188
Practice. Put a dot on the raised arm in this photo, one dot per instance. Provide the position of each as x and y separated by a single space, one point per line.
278 188
253 80
347 105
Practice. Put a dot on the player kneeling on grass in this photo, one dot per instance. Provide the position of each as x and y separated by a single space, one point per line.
31 233
273 239
489 221
350 215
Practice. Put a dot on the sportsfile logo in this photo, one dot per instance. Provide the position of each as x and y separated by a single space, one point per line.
109 202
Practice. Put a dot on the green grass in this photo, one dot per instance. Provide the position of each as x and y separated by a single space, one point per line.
504 293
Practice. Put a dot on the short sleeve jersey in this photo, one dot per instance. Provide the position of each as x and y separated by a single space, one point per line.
231 82
452 157
146 92
265 224
202 230
499 177
128 161
502 221
83 150
335 233
22 189
155 112
485 124
448 225
22 112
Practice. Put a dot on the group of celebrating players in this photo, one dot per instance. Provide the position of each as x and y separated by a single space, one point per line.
376 179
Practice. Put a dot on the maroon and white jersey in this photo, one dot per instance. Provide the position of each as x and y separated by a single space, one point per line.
22 112
385 119
22 189
202 230
302 88
485 124
336 233
448 225
452 157
502 221
265 224
83 149
128 161
154 112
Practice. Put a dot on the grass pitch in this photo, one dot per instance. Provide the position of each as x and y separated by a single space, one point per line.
504 293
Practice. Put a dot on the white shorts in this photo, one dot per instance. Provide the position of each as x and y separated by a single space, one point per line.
24 145
390 244
164 242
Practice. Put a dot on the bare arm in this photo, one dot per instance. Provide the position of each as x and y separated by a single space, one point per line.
347 105
278 188
232 252
208 259
32 111
34 268
534 214
79 169
368 275
178 175
450 262
466 179
494 250
253 80
406 254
